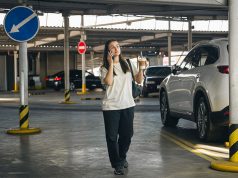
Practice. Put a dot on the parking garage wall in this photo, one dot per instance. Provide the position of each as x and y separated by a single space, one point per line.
3 74
10 72
6 71
55 62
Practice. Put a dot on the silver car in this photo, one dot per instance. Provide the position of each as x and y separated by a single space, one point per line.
198 90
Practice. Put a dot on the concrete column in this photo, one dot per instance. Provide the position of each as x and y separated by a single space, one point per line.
47 63
160 57
169 47
38 64
66 50
233 84
83 37
3 73
15 71
189 35
233 40
66 58
92 61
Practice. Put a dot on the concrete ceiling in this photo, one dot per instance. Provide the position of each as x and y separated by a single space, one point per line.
202 9
133 41
159 9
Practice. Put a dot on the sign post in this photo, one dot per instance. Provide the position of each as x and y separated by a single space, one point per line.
81 50
21 24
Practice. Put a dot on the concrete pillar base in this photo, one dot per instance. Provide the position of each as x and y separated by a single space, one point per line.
19 131
225 166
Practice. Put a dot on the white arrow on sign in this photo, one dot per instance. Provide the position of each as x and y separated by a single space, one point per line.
15 28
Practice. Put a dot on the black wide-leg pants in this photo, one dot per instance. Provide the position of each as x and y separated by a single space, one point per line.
119 131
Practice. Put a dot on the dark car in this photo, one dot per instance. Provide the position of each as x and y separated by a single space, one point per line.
56 81
154 75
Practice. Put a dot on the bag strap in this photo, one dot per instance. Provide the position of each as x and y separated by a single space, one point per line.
129 62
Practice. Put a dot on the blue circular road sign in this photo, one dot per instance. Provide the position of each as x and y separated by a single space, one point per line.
21 24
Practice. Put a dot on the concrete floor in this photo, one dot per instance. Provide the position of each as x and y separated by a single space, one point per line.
72 143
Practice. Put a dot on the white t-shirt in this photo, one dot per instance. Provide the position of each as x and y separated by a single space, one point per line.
119 94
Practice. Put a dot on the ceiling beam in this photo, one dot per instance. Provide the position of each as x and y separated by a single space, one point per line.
132 41
78 33
171 2
48 40
121 22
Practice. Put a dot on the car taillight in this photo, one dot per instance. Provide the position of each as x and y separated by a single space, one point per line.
57 78
223 69
227 113
46 78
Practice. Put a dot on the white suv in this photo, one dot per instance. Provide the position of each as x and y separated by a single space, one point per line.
198 90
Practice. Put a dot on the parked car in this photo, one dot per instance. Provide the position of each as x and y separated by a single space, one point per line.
198 89
56 81
153 76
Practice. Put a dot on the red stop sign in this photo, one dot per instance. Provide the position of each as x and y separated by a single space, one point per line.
82 47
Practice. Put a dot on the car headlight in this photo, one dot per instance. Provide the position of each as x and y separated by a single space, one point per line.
150 82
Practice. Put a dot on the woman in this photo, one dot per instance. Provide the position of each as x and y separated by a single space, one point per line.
118 104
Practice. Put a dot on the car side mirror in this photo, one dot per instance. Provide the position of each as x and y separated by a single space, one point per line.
175 69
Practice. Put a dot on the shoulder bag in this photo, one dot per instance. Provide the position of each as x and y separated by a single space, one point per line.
136 89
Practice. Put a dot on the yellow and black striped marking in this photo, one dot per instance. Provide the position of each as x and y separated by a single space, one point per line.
66 95
233 142
24 116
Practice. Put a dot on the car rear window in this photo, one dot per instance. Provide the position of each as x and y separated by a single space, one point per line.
158 71
212 55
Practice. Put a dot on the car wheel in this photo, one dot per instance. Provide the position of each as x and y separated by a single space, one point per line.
72 86
167 120
202 118
205 129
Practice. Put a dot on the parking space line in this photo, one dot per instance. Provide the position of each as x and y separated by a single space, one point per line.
209 153
9 100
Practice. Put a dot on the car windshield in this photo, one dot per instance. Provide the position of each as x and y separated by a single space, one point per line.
158 71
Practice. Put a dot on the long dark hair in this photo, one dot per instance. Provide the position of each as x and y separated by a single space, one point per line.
123 63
